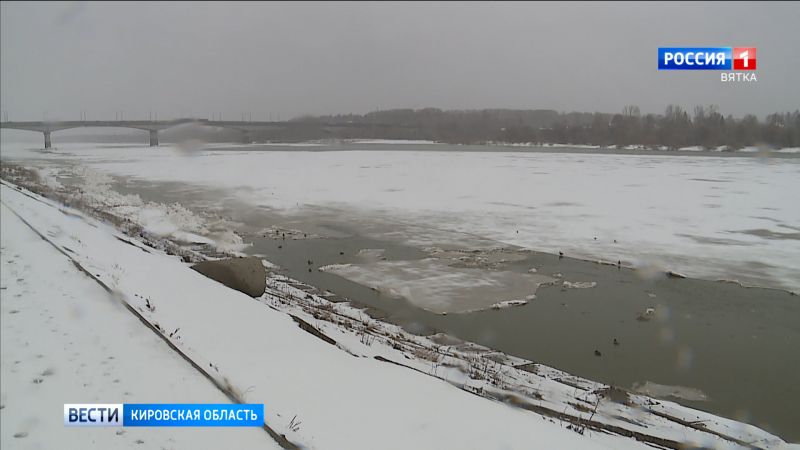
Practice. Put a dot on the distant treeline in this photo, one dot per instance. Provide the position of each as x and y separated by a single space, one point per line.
675 128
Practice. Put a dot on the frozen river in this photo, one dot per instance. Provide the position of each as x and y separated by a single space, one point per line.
416 231
707 217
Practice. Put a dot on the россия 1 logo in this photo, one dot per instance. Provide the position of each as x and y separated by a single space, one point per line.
739 62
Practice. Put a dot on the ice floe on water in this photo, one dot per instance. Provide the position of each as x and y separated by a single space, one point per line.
333 267
666 392
578 284
371 254
509 303
434 285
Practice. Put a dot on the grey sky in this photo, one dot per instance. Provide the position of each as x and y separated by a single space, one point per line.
184 59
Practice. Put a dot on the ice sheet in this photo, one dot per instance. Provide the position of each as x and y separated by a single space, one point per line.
692 214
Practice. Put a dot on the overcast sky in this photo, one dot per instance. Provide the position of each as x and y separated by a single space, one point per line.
192 59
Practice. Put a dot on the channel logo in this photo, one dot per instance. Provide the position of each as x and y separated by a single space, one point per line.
707 58
93 415
744 58
163 415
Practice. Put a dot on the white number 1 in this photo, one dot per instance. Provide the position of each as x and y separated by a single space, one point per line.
744 56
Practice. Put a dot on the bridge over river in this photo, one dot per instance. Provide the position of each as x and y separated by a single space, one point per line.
154 126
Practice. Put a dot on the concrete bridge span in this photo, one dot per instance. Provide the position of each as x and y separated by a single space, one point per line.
47 128
154 126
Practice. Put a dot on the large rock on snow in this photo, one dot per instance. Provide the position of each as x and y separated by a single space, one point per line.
243 274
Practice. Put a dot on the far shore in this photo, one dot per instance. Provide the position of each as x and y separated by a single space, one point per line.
427 145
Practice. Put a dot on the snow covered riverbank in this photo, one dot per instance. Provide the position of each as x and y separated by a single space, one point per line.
64 339
347 395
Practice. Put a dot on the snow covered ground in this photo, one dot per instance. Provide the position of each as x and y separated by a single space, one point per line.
64 339
343 394
709 217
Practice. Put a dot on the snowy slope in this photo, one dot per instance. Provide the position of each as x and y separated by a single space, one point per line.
63 339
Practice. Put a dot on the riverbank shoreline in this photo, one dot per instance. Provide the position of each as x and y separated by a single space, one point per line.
314 314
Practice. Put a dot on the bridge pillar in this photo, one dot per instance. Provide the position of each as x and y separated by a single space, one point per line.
153 138
47 142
